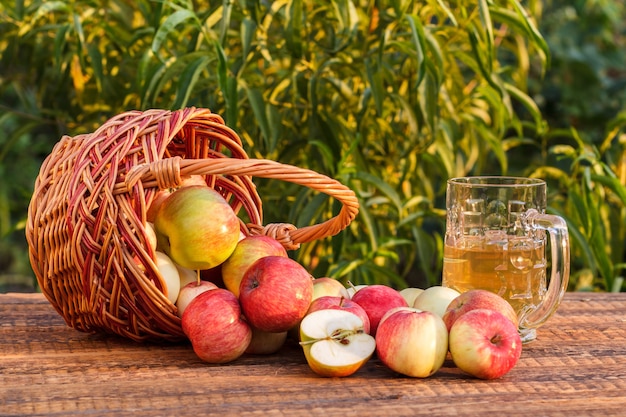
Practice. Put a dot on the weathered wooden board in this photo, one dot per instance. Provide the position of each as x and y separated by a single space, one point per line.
576 367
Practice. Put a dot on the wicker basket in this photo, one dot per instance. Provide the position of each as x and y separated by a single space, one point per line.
85 231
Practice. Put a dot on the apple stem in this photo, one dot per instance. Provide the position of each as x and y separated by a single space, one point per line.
198 277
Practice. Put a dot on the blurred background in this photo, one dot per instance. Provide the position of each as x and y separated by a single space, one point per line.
389 97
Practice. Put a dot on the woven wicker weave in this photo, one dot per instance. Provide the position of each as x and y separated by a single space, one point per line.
87 242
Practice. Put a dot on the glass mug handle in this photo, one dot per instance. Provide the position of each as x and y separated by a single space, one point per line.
559 276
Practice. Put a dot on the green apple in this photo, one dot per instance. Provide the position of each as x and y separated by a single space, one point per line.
265 343
187 275
335 343
435 299
196 227
410 294
169 274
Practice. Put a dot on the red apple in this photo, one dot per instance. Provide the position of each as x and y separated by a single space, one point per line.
475 299
376 300
265 343
215 326
197 228
248 250
484 343
191 291
324 286
412 342
275 293
340 303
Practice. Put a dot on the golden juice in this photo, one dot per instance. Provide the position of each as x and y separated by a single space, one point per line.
514 269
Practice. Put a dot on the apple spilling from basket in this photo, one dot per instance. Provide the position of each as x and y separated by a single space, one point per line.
240 294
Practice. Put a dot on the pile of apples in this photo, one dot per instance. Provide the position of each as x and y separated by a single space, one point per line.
240 294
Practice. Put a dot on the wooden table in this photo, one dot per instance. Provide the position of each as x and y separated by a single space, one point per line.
576 367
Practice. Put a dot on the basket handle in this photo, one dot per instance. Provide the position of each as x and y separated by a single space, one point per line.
168 172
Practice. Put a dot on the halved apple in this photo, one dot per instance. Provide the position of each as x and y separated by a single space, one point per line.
335 343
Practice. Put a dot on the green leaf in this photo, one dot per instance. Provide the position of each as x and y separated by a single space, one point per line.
487 25
188 79
419 42
257 103
46 9
383 187
293 31
169 26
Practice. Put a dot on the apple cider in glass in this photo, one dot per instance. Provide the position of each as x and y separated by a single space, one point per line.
496 239
515 270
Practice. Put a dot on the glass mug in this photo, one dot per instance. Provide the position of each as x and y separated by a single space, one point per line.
496 240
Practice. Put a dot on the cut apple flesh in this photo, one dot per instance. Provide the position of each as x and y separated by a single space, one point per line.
350 350
335 343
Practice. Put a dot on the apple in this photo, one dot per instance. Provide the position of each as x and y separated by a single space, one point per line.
151 234
324 286
412 342
376 300
352 289
475 299
335 343
197 228
191 291
169 274
248 250
215 326
265 343
340 303
162 195
410 294
435 299
187 275
484 343
275 293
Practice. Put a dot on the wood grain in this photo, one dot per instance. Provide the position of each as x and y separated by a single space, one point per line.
577 366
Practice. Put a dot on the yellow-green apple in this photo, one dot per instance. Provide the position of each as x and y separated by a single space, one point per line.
162 195
169 274
484 343
197 228
248 250
265 343
410 294
340 303
376 300
215 326
412 342
475 299
324 286
435 299
275 293
335 343
191 291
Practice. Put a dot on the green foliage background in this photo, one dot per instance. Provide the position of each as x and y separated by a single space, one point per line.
389 97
